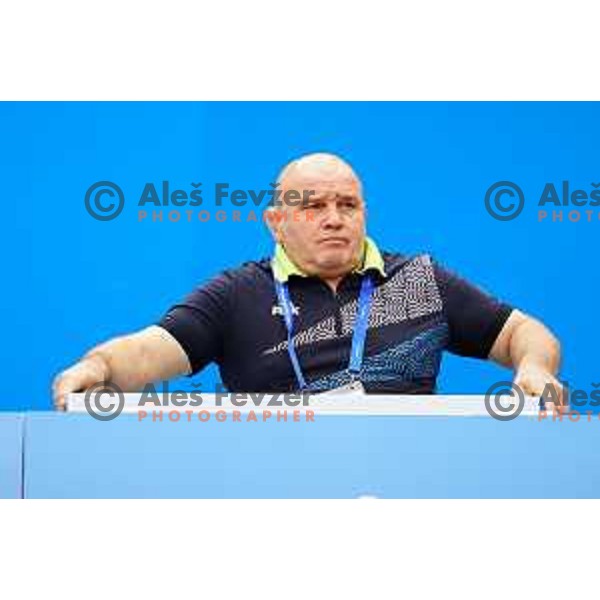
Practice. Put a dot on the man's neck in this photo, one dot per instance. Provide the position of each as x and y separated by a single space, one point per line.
333 282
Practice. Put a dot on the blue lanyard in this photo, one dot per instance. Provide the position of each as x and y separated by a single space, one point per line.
358 337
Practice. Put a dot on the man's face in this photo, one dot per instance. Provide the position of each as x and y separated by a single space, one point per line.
325 235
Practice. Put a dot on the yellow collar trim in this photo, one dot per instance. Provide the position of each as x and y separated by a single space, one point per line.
283 266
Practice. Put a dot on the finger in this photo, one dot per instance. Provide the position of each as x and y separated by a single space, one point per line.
66 384
526 387
559 395
60 399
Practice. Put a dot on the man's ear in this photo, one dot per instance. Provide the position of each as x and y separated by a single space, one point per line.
274 219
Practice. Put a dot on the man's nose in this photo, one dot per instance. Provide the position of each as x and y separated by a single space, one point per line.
332 218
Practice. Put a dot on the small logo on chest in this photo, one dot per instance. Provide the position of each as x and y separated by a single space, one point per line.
277 310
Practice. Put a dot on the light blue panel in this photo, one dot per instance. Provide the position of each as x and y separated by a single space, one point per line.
479 457
73 456
11 426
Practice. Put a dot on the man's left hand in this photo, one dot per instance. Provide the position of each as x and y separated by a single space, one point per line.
535 380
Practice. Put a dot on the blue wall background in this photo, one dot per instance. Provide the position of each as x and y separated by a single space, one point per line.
71 281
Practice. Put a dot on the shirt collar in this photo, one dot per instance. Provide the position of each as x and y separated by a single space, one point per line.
283 266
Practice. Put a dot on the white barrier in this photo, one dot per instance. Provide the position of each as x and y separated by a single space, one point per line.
352 403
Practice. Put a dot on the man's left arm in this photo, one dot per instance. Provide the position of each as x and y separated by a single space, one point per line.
527 346
482 326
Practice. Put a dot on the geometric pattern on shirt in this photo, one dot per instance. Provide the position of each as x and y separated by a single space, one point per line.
410 293
411 359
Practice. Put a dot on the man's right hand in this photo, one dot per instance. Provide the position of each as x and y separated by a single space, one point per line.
129 361
78 378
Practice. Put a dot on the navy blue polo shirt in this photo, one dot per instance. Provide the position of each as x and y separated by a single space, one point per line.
419 310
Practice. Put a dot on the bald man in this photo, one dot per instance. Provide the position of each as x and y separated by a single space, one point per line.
328 310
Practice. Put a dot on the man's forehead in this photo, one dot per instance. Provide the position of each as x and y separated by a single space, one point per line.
319 185
320 174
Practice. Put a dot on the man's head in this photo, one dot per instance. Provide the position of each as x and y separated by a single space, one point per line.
324 233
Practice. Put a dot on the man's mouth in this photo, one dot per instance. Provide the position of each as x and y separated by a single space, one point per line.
334 241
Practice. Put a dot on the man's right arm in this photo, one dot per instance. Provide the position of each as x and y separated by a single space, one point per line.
130 362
